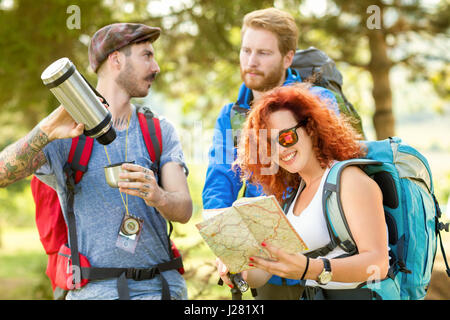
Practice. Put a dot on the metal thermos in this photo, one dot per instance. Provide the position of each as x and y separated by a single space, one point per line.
79 99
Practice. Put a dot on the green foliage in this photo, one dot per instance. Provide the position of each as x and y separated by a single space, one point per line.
31 37
440 79
17 205
22 276
443 190
199 54
199 47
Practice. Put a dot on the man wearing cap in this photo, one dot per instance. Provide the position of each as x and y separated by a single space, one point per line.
123 57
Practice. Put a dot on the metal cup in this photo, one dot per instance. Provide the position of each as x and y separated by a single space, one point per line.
112 174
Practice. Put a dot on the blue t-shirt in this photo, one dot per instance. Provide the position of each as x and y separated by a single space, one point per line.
99 211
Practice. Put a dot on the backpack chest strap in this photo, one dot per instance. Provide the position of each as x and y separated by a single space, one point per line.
136 274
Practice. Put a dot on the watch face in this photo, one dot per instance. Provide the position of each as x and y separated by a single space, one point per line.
325 277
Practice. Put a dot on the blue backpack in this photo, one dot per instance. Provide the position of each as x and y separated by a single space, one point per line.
412 216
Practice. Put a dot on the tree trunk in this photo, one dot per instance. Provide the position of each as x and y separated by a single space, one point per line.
379 67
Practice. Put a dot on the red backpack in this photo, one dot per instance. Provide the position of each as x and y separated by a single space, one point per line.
54 231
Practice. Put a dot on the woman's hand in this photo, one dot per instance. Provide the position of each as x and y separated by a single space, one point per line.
223 273
222 269
290 266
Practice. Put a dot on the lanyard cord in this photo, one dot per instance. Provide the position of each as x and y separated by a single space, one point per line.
126 151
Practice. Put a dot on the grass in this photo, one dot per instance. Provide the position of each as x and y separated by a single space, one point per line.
23 263
22 266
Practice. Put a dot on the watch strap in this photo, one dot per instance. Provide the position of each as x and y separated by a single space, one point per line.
326 264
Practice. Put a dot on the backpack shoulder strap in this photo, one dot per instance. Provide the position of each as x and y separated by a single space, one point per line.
76 166
290 195
79 155
338 229
238 115
288 201
337 225
151 131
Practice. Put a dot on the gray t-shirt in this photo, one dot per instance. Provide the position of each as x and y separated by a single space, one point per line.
99 211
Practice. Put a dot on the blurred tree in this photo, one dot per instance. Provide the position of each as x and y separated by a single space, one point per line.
199 50
33 35
201 45
392 31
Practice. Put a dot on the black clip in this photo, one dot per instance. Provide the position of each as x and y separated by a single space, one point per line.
139 274
133 273
438 209
443 226
402 267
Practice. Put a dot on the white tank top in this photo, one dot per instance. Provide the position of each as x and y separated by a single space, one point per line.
312 228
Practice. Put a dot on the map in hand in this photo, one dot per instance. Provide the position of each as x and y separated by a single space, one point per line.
235 234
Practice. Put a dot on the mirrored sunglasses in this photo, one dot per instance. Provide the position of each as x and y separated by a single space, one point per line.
289 137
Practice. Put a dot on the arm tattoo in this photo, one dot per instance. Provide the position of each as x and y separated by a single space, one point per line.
22 158
144 194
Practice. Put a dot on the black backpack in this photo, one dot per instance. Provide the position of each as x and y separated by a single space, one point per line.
312 65
316 66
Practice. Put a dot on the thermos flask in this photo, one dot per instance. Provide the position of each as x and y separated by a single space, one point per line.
78 98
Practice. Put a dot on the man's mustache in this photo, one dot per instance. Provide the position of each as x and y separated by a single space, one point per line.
151 76
254 71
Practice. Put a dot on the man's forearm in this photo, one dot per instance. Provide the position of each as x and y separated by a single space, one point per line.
176 206
23 157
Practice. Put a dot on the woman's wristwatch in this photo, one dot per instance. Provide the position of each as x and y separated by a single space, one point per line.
326 274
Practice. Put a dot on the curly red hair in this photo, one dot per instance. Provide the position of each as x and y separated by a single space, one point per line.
332 137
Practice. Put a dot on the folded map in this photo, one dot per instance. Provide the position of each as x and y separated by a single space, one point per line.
235 234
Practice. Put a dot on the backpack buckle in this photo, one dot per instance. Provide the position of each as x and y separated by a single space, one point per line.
443 226
402 267
348 246
139 274
134 273
438 209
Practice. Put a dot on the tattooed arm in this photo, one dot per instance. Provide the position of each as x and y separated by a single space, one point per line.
22 158
25 156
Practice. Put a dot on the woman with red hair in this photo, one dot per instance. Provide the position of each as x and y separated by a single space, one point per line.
289 142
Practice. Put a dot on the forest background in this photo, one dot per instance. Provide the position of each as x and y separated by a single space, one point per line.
393 55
